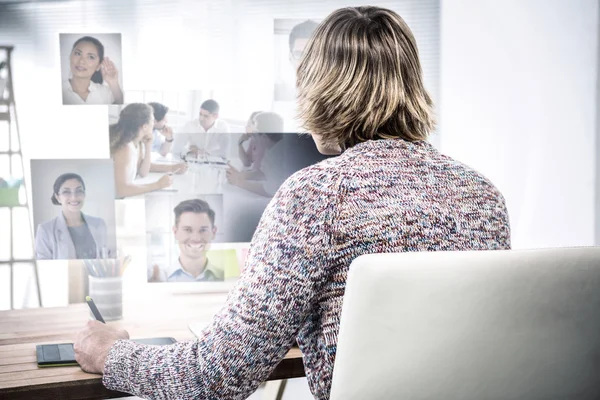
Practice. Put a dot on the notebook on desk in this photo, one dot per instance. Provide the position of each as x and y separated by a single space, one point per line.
63 354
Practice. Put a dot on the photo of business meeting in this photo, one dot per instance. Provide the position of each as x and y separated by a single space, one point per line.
292 200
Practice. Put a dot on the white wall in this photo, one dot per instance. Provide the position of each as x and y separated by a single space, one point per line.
518 103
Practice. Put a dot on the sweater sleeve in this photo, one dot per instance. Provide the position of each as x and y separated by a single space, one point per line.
286 267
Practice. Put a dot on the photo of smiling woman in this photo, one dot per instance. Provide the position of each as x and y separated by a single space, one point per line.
72 234
90 75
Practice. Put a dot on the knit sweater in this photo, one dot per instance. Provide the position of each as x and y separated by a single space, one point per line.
378 196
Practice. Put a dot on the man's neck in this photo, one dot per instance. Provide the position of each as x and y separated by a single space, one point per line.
206 129
80 85
193 266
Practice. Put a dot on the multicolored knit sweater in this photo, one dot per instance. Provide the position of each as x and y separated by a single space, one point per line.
378 196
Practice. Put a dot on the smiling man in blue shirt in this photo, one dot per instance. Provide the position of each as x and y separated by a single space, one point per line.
194 231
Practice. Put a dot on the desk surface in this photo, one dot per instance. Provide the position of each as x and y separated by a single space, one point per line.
21 330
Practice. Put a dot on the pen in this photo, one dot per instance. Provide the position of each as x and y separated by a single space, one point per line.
100 267
91 268
125 264
94 309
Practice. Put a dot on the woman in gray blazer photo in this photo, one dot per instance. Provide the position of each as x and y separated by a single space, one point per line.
72 234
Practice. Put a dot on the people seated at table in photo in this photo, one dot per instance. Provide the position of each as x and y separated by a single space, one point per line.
266 179
361 95
72 234
94 78
130 148
252 156
194 231
162 134
283 155
208 135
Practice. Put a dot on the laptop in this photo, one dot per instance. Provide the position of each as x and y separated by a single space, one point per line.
518 324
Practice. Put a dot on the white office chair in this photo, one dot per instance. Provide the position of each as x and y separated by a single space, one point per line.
518 324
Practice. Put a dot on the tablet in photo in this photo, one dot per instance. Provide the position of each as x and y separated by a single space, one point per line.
91 68
73 209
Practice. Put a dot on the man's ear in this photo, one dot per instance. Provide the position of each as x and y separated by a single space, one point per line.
214 231
174 229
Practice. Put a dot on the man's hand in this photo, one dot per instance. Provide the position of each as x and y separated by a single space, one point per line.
234 176
93 344
244 137
167 132
197 151
179 168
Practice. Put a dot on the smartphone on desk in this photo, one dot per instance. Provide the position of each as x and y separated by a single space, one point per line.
63 354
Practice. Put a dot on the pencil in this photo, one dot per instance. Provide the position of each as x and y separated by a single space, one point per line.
94 309
92 268
89 268
100 267
125 264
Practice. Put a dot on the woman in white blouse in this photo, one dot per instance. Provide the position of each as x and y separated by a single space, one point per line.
130 147
94 78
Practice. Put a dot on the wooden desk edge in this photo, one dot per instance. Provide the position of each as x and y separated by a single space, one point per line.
93 388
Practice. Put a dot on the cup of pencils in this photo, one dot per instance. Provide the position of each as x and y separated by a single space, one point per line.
106 286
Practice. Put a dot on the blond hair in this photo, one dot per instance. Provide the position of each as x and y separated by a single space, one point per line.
360 79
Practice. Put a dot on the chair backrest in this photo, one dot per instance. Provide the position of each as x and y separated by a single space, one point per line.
505 324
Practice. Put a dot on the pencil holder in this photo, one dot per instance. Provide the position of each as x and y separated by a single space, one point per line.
107 294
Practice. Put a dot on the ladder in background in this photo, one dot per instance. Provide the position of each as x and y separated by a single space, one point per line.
8 123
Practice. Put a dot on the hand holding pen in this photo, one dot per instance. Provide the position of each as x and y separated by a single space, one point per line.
94 309
94 341
165 181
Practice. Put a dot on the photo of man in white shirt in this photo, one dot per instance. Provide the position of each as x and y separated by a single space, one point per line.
206 136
